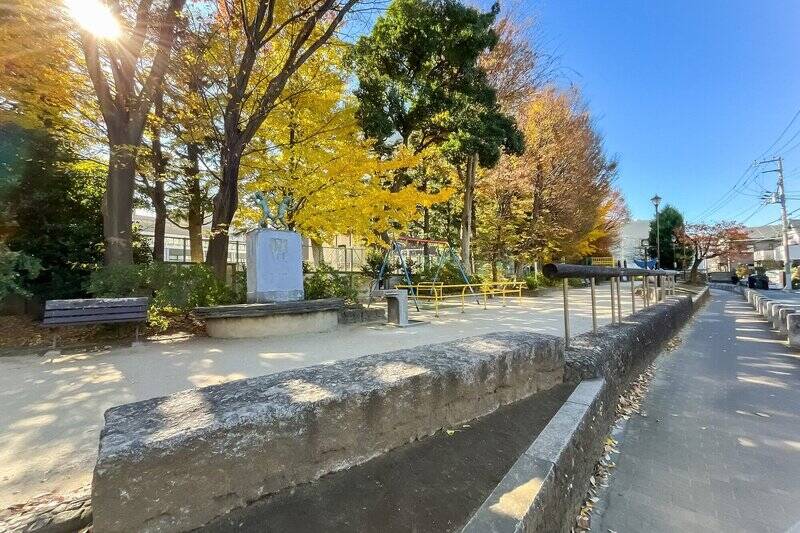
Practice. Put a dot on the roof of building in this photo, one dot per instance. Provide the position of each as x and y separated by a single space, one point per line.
772 232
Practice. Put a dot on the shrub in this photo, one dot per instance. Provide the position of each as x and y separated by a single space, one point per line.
326 282
120 281
15 269
537 280
373 262
449 274
174 289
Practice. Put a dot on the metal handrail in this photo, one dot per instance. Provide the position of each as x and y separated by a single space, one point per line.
664 285
563 270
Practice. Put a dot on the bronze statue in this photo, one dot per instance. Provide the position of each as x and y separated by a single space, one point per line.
278 220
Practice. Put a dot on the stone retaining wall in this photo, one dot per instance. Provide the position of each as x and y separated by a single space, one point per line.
543 491
176 462
615 349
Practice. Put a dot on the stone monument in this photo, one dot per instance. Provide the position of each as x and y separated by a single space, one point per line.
274 266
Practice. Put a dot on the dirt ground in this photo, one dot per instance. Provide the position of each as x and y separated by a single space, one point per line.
434 484
53 406
22 334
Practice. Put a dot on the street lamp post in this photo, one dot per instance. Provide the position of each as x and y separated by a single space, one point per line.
656 201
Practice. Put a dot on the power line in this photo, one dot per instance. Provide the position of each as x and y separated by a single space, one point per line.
743 180
789 125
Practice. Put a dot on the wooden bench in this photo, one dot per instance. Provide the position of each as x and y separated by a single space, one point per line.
84 312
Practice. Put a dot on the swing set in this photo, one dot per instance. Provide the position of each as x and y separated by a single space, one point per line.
435 290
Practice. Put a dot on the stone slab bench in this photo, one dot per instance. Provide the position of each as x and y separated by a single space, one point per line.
175 463
277 318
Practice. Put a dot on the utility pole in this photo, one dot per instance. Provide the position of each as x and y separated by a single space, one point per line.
781 198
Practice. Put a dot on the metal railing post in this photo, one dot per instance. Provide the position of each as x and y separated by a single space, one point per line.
619 300
659 289
646 291
566 313
613 307
594 304
633 296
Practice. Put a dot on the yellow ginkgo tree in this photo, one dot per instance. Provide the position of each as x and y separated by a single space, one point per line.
311 156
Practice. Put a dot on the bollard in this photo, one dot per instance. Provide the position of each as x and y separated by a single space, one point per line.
793 329
566 314
594 305
619 302
659 293
645 291
633 296
613 308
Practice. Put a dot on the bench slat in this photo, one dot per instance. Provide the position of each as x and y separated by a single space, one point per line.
95 319
94 303
95 311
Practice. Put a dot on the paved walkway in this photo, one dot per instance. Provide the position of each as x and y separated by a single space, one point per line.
719 449
52 409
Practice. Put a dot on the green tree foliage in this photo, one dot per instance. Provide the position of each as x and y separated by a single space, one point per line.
419 80
670 220
54 201
16 268
420 84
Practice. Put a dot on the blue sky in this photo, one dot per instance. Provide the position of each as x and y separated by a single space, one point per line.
687 93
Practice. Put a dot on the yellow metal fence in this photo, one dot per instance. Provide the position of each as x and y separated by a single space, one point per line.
438 292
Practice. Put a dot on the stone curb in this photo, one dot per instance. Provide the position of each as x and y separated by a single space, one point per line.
782 312
532 495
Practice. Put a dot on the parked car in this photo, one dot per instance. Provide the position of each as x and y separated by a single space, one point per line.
758 281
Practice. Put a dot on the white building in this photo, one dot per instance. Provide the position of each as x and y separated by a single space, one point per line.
630 244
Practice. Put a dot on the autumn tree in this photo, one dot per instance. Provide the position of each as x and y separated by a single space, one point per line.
559 191
707 241
420 85
259 45
127 67
310 157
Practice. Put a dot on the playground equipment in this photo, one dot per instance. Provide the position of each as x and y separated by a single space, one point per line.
397 248
436 291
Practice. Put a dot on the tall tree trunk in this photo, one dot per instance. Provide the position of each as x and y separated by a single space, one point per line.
118 205
195 214
158 195
225 203
466 214
159 229
693 273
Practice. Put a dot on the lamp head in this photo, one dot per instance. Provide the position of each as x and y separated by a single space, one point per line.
656 200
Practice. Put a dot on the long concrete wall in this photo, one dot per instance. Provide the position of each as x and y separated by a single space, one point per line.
176 462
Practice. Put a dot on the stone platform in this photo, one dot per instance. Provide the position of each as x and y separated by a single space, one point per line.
267 319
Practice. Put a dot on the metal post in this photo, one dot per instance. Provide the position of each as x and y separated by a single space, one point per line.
613 309
659 289
633 296
619 301
645 291
566 313
594 305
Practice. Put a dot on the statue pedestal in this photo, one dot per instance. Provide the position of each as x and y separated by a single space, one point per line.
274 266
